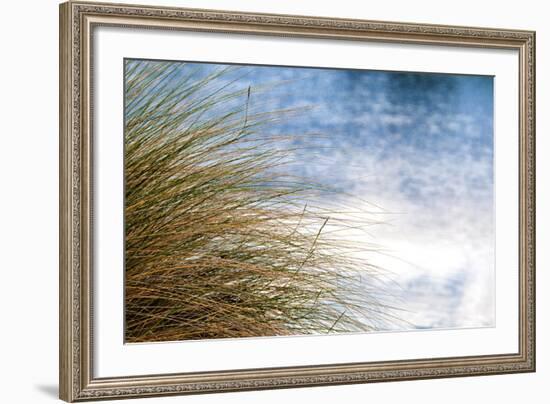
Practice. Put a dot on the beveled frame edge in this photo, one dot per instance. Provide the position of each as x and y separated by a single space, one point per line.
75 358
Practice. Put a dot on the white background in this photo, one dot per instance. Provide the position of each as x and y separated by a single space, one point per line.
28 214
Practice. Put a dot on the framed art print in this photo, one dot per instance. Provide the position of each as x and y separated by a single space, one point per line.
253 201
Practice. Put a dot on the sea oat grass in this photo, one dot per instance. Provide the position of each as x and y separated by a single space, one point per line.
218 240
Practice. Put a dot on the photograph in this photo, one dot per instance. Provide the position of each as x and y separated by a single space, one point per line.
258 200
266 201
274 202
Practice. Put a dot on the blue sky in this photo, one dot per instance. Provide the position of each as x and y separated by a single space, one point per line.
389 114
420 147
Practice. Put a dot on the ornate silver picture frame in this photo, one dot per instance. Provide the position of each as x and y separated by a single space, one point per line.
79 319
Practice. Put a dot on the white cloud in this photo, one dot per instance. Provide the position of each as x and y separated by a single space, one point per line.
439 251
